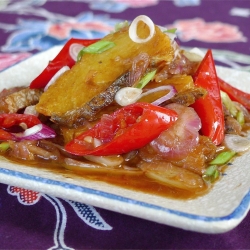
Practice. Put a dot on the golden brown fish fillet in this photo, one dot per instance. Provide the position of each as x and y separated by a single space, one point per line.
96 72
76 117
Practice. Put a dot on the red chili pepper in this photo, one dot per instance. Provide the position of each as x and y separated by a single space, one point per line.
4 135
127 129
9 120
62 59
235 94
209 108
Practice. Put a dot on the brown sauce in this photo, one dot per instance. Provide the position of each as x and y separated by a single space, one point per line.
132 180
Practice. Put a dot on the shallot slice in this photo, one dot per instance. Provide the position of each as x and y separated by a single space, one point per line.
133 29
129 95
74 50
236 143
169 95
37 132
176 142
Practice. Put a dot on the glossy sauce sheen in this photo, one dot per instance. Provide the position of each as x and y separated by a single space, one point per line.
132 180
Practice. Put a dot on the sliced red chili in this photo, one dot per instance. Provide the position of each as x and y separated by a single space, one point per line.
62 59
235 94
127 129
5 136
209 108
10 120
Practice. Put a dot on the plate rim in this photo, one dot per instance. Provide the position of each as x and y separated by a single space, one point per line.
200 223
203 224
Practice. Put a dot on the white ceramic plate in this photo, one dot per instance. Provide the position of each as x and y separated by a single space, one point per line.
222 209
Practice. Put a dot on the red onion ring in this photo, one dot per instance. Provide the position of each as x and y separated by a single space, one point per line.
169 95
74 50
37 132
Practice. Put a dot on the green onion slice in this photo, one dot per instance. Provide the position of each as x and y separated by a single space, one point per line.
96 48
237 114
146 79
171 30
223 158
4 146
240 118
228 103
211 174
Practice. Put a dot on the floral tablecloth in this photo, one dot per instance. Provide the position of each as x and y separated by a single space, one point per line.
33 220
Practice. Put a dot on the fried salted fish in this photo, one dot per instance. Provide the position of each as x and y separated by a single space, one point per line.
94 73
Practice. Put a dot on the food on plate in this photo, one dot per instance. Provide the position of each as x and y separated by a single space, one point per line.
133 109
95 72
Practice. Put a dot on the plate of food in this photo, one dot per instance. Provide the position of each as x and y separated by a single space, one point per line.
131 123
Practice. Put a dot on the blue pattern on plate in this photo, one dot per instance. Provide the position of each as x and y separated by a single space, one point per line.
239 212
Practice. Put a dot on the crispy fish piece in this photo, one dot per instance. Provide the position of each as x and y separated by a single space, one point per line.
187 97
15 99
94 73
76 117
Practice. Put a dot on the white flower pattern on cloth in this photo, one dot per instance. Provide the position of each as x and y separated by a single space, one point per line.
86 213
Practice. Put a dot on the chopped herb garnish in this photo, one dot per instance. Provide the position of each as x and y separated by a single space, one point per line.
4 146
96 48
211 174
228 103
171 30
146 79
223 158
240 118
237 114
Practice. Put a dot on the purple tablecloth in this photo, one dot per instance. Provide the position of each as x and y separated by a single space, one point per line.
30 220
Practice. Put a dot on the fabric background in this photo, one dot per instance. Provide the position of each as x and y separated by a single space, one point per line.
31 220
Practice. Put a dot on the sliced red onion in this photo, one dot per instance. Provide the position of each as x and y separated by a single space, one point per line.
129 95
176 142
133 29
74 50
139 66
37 132
169 95
236 143
56 76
